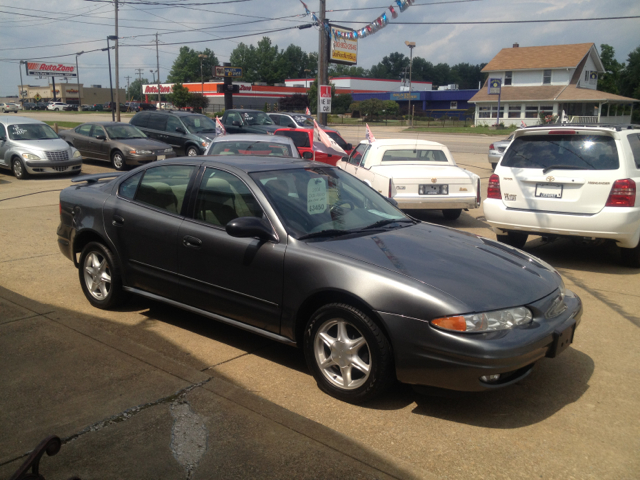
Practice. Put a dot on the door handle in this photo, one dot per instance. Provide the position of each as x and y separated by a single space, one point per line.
193 242
118 221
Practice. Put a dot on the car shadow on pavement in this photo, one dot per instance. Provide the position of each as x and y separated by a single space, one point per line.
435 216
552 385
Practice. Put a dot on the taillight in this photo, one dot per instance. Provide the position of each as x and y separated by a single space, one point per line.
623 194
491 147
561 132
493 190
392 188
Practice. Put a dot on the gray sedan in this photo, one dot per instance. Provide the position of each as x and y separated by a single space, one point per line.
254 144
496 150
119 143
306 254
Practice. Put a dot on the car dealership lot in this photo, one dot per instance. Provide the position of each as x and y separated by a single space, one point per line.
574 417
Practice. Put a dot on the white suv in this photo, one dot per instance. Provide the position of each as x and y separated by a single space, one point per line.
56 106
570 180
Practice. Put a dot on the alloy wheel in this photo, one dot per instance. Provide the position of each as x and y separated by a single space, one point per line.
97 275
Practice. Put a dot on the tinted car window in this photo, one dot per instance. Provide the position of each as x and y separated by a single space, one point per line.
199 123
300 139
250 147
172 124
256 118
223 197
356 155
140 120
84 129
157 122
124 132
587 152
97 130
233 117
634 141
129 186
414 156
165 187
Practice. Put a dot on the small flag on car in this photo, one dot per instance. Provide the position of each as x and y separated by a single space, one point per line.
522 124
370 137
220 130
308 112
323 143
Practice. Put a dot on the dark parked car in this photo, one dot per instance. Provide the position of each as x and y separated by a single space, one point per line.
32 106
306 254
293 120
70 108
119 143
248 121
188 133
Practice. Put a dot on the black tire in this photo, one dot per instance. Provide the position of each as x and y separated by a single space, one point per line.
515 239
493 166
191 151
452 214
630 257
368 368
18 169
100 277
57 109
118 161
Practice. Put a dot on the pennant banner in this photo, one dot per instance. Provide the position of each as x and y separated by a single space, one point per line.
220 130
369 134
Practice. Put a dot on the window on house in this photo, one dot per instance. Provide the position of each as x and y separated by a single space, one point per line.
508 77
531 112
515 111
453 105
586 75
546 109
546 77
494 111
484 112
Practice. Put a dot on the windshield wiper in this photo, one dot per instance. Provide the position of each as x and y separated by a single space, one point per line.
562 167
382 223
331 232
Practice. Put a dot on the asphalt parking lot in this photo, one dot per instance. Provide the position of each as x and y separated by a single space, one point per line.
107 381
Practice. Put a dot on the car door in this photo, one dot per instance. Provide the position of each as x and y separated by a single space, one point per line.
352 162
238 278
156 126
80 138
143 221
228 123
98 147
4 146
175 134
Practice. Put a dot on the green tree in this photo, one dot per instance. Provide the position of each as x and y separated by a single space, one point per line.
340 104
198 102
339 70
186 67
630 81
135 89
422 70
390 107
392 66
372 107
181 97
466 75
266 62
610 80
243 56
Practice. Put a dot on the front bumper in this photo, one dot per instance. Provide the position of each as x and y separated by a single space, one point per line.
35 167
620 224
433 202
135 160
428 356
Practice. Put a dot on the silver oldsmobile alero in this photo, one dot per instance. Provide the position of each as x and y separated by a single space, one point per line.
306 254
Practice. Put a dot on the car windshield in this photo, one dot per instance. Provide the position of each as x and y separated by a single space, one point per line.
199 123
31 131
123 132
326 202
256 118
414 155
250 147
304 120
583 152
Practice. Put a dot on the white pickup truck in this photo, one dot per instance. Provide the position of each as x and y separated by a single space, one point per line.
418 174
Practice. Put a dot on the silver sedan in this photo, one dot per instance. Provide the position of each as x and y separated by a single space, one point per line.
253 144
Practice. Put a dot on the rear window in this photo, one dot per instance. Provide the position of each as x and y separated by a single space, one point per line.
300 139
414 156
583 152
634 141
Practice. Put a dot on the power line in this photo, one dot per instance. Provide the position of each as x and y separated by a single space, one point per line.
497 22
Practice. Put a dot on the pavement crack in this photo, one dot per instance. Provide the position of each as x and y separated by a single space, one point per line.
29 258
188 436
29 194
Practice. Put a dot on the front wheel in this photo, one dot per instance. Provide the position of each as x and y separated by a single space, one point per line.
348 354
19 170
192 152
117 160
100 277
515 239
452 214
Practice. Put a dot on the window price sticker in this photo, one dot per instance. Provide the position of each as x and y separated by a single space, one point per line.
316 196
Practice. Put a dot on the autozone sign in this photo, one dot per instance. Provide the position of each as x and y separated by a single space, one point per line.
51 69
164 88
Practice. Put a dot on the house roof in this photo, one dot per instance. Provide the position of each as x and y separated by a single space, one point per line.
529 58
557 93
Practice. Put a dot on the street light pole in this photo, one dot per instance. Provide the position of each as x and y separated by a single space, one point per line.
411 46
117 107
22 62
78 81
113 113
202 57
153 72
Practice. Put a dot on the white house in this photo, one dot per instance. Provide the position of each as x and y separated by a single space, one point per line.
550 80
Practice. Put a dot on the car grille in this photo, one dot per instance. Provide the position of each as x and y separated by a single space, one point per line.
60 169
58 156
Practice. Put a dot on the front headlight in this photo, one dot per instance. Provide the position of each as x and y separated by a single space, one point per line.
30 156
168 150
140 152
486 321
204 143
76 154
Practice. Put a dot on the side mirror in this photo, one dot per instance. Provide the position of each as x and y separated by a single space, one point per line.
236 123
180 130
248 227
291 125
348 146
101 137
307 155
392 202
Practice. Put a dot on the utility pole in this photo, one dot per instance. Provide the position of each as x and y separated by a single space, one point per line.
117 69
158 67
323 61
139 70
128 77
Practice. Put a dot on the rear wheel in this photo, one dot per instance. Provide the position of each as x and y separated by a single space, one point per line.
192 151
117 160
347 353
100 277
19 170
630 257
452 214
515 239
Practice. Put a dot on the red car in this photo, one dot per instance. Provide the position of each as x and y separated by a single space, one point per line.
303 140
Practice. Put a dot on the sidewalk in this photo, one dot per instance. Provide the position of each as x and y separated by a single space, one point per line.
123 411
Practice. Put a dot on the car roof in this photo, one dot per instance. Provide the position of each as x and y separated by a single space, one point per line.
249 164
581 126
252 136
402 141
245 110
105 124
171 112
10 120
291 113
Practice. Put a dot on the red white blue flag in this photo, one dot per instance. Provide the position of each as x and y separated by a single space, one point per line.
220 130
369 135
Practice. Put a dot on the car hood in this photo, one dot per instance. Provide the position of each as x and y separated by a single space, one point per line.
142 143
481 273
261 128
42 145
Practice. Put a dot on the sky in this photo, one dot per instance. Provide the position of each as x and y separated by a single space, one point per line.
31 30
